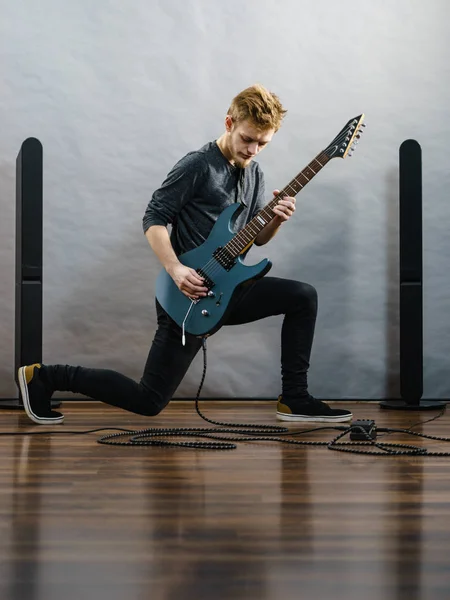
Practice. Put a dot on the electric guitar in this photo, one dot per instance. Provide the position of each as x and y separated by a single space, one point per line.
218 260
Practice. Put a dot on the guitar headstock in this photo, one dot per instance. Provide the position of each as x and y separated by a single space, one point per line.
345 141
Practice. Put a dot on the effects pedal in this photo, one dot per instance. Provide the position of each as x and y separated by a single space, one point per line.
363 430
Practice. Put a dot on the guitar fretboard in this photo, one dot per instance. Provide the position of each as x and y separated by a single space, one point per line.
242 240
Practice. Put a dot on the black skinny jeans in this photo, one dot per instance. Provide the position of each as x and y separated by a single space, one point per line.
168 360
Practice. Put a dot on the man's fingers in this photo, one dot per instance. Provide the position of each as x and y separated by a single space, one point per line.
286 205
194 276
195 282
193 288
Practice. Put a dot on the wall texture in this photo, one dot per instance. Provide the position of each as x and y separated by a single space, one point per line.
117 92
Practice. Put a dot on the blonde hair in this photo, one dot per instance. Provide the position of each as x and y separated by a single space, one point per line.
258 105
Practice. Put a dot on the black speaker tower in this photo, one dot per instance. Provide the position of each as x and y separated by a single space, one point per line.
29 235
411 283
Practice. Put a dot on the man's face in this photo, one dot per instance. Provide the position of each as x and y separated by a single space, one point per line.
245 141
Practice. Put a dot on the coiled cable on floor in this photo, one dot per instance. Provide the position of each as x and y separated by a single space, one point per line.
247 432
238 432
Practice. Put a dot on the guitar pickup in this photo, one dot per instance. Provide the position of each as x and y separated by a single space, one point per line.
209 283
224 258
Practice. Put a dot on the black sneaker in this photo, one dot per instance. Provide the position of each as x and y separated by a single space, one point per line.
311 411
36 398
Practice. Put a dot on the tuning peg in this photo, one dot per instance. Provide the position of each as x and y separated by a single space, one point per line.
363 125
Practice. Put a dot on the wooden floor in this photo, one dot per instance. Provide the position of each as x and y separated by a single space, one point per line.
80 520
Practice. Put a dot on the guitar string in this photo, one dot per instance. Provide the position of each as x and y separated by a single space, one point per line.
213 266
214 263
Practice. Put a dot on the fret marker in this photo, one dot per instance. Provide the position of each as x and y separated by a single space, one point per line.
261 220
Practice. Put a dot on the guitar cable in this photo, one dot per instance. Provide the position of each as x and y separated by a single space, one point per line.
248 432
365 432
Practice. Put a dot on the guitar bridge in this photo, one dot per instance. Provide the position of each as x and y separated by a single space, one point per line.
224 258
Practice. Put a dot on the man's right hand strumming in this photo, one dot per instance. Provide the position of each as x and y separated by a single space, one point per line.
188 281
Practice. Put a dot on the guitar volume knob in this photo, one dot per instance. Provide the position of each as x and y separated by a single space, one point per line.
205 313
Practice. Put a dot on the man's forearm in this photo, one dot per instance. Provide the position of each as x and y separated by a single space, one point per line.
268 232
159 240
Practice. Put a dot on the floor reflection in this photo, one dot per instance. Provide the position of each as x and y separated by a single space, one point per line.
227 531
262 522
26 500
405 542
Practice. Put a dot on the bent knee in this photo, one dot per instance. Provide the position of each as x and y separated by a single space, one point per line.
306 296
150 403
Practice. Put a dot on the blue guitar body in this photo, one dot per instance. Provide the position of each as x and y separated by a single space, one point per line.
205 316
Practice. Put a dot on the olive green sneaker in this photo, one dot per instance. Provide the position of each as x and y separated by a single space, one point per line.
36 397
310 410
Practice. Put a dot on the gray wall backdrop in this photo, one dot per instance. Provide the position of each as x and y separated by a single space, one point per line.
118 91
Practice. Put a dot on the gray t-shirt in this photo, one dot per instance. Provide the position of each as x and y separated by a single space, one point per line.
197 189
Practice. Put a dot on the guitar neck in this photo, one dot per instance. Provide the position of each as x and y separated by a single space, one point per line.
245 238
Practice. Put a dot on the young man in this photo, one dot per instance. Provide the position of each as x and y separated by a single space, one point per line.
198 188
